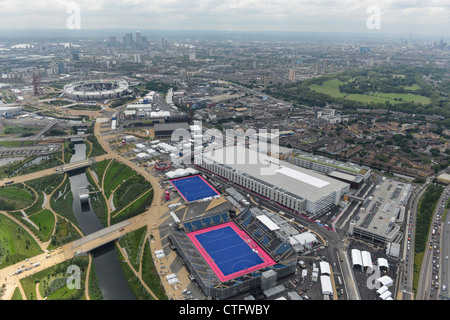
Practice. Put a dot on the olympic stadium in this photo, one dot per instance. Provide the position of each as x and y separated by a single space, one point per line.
228 253
96 90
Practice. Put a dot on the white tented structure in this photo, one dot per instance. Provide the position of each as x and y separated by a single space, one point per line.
385 281
386 295
305 238
382 290
366 259
178 173
327 288
172 278
325 268
356 258
383 263
159 254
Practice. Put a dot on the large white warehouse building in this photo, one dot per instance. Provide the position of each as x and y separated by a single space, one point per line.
294 187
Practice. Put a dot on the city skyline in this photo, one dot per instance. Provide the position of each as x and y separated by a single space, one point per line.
399 16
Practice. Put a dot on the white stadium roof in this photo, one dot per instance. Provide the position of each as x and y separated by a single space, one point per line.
268 222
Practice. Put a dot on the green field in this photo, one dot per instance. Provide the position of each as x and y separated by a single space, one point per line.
18 130
45 220
133 243
116 173
15 198
129 190
64 233
53 281
15 243
331 88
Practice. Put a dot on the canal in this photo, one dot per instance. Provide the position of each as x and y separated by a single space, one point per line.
113 284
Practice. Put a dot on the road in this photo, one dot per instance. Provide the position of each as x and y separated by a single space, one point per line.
429 273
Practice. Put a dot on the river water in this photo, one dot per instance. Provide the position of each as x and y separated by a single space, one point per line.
113 284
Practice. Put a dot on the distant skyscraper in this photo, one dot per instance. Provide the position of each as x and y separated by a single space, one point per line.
292 75
61 67
138 39
112 41
128 41
266 80
192 56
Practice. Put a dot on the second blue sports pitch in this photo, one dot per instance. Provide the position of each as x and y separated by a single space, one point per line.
193 188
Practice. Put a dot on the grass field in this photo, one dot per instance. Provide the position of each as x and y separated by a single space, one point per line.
133 244
45 220
135 208
115 175
17 130
15 243
52 281
331 88
62 201
18 143
15 198
64 233
131 189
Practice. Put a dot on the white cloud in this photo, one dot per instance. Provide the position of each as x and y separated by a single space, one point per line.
284 15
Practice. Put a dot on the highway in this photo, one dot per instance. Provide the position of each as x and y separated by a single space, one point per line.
429 282
445 253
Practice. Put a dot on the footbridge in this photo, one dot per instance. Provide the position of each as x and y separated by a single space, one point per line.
99 238
75 165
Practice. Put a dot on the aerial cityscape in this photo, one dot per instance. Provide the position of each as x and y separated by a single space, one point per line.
248 159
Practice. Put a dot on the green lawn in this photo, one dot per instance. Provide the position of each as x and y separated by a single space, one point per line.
16 244
64 233
150 274
11 144
52 281
331 88
15 198
130 190
117 172
135 208
17 130
45 220
62 201
133 244
99 169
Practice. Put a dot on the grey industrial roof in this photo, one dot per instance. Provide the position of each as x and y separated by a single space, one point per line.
281 174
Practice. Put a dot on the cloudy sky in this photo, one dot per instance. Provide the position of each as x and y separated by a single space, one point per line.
395 16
